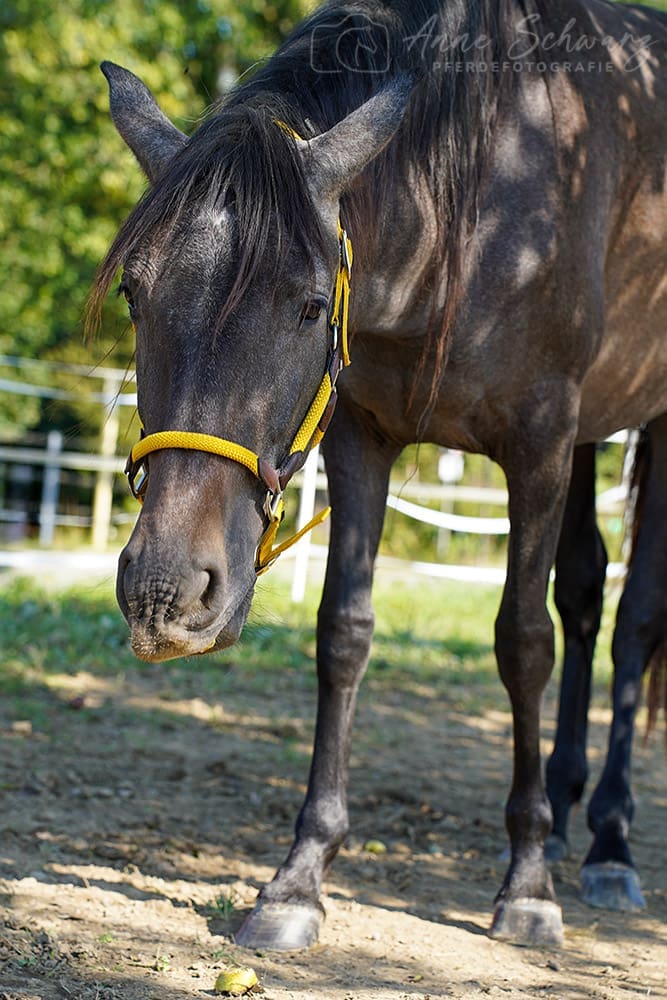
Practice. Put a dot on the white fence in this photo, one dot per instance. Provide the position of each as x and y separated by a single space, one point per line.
105 465
612 501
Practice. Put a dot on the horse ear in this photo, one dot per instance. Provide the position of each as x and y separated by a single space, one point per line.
335 158
146 130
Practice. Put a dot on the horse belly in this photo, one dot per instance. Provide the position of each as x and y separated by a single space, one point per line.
626 384
623 393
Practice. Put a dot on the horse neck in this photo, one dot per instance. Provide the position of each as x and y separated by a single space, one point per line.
393 286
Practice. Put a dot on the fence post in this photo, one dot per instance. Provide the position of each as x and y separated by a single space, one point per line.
20 477
50 489
103 496
450 470
306 511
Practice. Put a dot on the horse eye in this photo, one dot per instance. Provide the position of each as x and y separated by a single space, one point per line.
311 311
127 295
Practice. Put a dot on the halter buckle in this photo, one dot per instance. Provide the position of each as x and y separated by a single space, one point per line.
137 478
274 507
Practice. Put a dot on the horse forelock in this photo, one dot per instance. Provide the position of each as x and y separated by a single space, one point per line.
238 159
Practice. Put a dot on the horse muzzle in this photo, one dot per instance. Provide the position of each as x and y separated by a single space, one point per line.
174 612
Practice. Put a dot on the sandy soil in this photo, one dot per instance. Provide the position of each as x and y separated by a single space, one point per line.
136 827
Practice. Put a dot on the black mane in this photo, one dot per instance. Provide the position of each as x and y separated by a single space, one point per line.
239 154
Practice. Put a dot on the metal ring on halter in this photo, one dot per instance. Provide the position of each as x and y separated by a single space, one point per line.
137 478
272 506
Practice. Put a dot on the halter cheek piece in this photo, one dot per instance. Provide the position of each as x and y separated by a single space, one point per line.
309 434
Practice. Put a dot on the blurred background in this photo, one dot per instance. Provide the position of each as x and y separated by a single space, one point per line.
67 411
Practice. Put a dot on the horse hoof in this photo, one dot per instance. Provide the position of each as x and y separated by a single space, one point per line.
555 848
612 886
535 922
280 927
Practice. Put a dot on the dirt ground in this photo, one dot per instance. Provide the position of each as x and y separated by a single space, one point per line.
137 826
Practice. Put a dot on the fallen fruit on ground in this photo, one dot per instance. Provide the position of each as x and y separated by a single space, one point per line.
236 980
375 847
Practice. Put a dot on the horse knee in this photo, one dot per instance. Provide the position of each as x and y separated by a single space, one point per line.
343 647
524 649
578 595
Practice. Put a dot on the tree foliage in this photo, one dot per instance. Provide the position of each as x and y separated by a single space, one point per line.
67 179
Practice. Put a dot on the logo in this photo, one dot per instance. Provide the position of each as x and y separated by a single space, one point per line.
355 44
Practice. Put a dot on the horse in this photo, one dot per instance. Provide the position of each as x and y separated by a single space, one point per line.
499 167
609 878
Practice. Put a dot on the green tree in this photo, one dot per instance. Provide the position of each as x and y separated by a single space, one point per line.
67 179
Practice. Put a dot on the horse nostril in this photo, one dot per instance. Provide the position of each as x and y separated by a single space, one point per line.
151 594
121 595
209 596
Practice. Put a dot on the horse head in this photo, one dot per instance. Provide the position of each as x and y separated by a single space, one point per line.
231 267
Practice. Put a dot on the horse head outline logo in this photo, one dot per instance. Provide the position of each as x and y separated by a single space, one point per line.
353 44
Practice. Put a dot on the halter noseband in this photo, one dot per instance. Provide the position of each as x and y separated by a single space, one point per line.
309 434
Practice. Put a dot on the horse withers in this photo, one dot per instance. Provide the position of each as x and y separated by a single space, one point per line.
506 201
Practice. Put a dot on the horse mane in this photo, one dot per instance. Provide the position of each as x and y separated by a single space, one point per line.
238 155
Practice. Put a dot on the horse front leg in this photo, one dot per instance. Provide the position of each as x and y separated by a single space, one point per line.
537 463
288 913
581 563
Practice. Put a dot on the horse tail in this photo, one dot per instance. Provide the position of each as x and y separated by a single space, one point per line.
656 670
639 457
656 695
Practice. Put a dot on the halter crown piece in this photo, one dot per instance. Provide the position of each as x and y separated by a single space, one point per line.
309 434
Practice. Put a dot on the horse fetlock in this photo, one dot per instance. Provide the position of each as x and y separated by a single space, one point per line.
528 876
299 879
321 832
610 844
295 886
610 825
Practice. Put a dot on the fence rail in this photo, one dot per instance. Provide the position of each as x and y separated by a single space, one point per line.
410 499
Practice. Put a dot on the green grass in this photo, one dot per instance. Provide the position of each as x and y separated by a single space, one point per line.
223 907
430 632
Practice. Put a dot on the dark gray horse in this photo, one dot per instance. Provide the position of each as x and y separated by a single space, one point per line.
500 167
609 877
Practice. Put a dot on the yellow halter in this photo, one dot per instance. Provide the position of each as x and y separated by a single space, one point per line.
309 434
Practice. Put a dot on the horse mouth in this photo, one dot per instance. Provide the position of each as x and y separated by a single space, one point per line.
158 639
